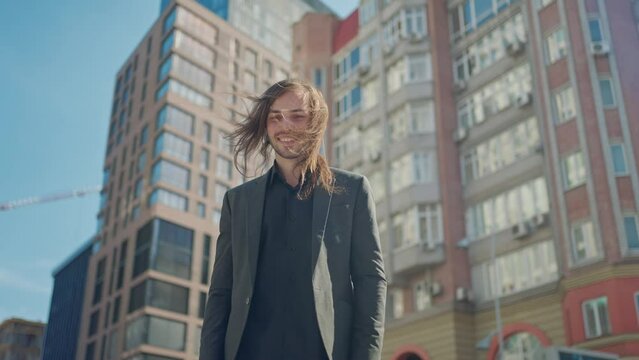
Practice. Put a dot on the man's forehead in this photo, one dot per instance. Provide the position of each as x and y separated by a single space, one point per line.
287 110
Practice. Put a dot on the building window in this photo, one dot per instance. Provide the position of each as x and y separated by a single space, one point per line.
216 215
165 247
520 270
556 46
99 281
631 228
544 3
176 118
501 150
411 169
348 104
619 159
155 331
507 209
206 256
202 185
93 322
574 170
319 78
220 191
204 159
421 296
201 210
144 135
202 305
418 225
170 173
584 243
564 105
159 294
594 25
122 265
367 11
224 168
141 162
170 199
522 346
595 315
173 146
398 303
184 91
224 142
607 92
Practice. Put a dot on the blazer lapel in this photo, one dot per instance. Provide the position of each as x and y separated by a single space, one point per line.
253 217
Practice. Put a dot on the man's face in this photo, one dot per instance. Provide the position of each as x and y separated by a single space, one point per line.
288 116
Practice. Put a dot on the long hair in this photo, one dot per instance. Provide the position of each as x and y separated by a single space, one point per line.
250 138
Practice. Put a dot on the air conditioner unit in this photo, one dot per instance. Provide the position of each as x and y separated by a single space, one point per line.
460 134
364 68
428 246
460 85
539 149
520 230
524 99
435 288
388 49
463 294
514 48
599 48
540 220
415 37
375 156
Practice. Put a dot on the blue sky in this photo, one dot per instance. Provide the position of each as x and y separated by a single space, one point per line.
58 60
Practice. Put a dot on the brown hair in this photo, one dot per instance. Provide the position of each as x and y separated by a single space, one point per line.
250 138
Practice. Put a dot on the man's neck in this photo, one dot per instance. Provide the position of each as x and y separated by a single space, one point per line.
287 169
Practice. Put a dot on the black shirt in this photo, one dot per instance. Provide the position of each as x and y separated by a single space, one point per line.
282 323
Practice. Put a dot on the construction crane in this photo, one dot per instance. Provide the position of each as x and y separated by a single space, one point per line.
10 205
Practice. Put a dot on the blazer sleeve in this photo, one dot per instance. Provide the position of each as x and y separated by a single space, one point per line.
369 280
218 304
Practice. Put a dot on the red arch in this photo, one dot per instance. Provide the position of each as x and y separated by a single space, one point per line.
513 329
410 348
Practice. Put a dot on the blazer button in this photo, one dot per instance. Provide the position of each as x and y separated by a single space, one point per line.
248 300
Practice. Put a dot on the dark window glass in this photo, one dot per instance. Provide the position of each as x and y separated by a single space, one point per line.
107 313
99 281
90 354
143 249
174 247
202 305
116 310
93 322
136 299
155 331
204 279
122 265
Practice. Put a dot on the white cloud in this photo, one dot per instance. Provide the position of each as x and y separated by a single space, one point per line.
16 281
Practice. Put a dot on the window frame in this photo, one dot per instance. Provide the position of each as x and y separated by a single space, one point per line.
599 331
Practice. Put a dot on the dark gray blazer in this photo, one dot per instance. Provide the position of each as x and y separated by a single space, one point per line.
348 279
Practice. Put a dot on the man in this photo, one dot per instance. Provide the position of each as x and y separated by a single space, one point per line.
298 270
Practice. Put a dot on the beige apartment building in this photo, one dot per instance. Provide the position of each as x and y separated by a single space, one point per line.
166 169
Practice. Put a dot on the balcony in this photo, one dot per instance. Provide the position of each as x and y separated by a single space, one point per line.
414 257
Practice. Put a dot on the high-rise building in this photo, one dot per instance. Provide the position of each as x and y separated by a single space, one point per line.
65 312
266 21
500 139
167 167
20 339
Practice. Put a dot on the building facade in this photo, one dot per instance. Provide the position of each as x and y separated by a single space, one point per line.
500 139
167 167
20 339
267 21
65 312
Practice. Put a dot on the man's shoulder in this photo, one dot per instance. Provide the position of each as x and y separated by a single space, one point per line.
346 177
342 174
246 186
